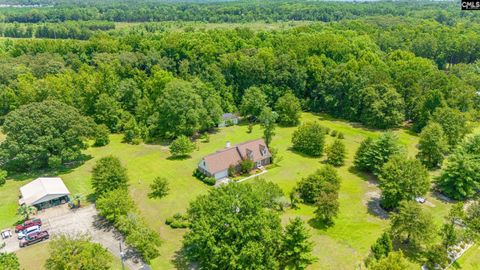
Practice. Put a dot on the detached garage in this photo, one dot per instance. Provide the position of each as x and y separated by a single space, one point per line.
44 192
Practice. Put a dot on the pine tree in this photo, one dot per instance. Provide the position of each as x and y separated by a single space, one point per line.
336 153
296 246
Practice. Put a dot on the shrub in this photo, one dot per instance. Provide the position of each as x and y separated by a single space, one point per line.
327 130
101 135
336 153
246 165
209 181
341 136
333 133
232 170
178 221
159 188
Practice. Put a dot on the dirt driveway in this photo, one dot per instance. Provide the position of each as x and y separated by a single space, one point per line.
62 220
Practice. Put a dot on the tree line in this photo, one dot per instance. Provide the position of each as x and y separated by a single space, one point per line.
228 11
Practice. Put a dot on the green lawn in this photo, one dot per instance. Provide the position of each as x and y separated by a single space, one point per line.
342 246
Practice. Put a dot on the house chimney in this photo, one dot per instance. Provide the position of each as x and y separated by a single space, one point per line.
227 145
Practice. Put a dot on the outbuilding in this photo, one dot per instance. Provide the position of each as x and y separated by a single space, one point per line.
44 192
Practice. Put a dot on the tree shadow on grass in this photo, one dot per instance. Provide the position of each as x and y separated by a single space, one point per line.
182 263
439 196
180 157
64 169
374 208
369 177
291 149
320 224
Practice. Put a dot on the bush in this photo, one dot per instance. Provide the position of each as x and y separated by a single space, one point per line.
336 153
101 135
246 165
341 136
159 188
181 146
209 181
333 133
327 130
309 139
178 221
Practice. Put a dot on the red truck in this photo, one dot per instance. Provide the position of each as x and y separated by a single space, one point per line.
34 238
27 224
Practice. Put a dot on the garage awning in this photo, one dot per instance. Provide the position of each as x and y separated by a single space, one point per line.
43 189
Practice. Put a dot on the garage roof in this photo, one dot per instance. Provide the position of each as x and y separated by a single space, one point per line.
43 189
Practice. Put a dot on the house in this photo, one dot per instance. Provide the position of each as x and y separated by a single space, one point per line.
216 165
228 119
44 192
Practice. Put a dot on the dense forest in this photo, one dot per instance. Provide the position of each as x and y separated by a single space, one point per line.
386 92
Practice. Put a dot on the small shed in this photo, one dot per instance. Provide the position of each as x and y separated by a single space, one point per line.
228 119
44 192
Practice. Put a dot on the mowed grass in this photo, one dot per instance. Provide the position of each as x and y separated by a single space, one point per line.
342 246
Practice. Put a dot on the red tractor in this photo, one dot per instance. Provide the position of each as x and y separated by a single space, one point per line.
34 238
27 224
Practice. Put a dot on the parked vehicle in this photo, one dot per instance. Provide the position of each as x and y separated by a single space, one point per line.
27 224
28 231
34 238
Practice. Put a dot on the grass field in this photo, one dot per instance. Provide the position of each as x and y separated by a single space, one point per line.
342 246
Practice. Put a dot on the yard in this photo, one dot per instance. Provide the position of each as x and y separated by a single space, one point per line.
342 246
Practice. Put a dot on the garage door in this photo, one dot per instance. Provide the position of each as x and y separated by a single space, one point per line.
221 175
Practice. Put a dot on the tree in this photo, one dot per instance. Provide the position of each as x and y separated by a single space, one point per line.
107 111
247 237
101 135
77 252
336 153
3 177
382 247
296 246
26 211
437 257
472 220
253 102
159 188
411 226
132 132
383 106
108 174
324 179
309 139
461 177
267 119
179 111
432 146
327 205
9 261
181 147
453 122
394 261
372 154
39 131
402 178
289 109
114 204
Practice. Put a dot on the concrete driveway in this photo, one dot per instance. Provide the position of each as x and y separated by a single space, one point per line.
62 220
